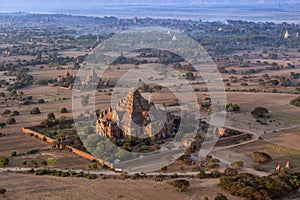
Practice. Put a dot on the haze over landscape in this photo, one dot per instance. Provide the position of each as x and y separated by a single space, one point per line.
152 100
257 10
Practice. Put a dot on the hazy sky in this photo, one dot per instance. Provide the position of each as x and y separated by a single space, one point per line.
69 6
75 3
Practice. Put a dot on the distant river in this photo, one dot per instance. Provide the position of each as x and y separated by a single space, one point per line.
259 13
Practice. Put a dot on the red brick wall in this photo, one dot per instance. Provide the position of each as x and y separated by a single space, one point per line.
28 130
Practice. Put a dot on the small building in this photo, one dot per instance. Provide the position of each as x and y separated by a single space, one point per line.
91 79
65 80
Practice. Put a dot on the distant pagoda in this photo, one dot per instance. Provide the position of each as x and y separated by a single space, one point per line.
286 35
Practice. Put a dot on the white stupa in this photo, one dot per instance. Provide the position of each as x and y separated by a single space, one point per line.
174 38
278 168
286 35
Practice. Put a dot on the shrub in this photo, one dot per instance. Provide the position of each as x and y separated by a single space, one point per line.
230 171
44 163
174 175
13 153
2 124
144 148
202 175
91 176
136 176
4 161
259 112
6 112
237 164
51 116
34 164
212 165
35 111
215 174
295 102
52 161
64 110
11 120
249 186
257 167
123 176
232 107
164 168
40 101
15 113
214 160
2 191
159 177
261 157
186 159
24 163
32 151
94 166
220 197
181 184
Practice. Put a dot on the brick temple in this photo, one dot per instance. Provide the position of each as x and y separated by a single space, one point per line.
131 118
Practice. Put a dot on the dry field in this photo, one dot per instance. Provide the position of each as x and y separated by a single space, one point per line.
21 187
282 115
280 155
22 143
289 138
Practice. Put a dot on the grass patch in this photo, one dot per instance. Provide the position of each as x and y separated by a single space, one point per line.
282 149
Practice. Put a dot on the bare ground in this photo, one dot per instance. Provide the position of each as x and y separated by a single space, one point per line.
20 186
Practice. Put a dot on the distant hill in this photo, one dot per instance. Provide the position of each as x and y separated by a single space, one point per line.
76 3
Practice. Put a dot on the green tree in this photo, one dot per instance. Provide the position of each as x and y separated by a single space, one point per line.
220 197
41 101
230 171
34 164
232 107
51 116
44 163
6 112
2 191
261 157
15 113
295 102
35 111
4 161
180 183
52 161
259 112
13 153
24 163
11 120
64 110
201 175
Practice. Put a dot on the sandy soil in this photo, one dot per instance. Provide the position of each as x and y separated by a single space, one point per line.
32 187
280 155
288 138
